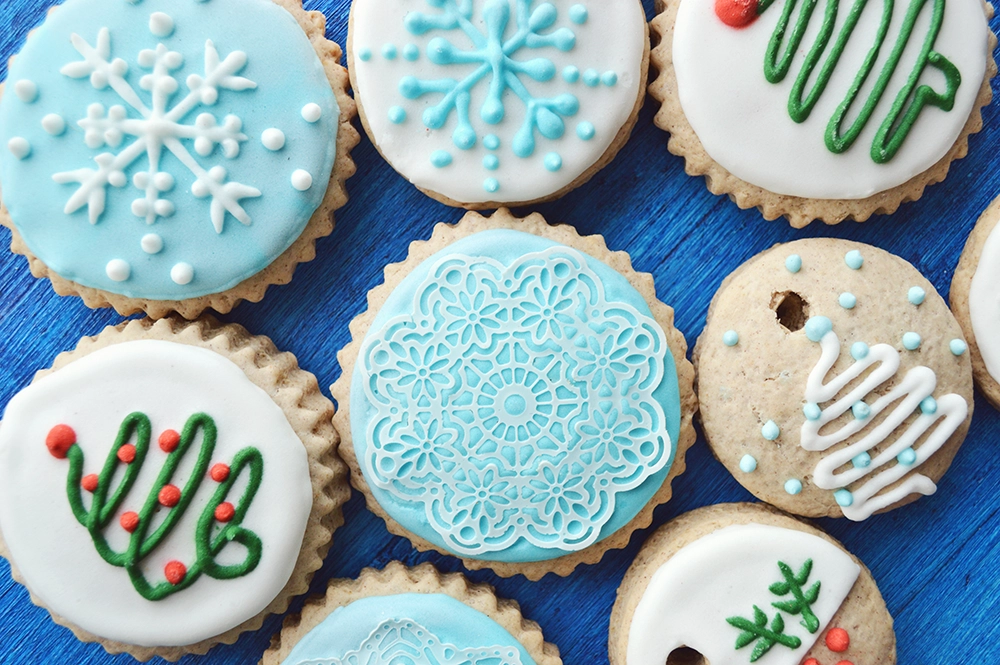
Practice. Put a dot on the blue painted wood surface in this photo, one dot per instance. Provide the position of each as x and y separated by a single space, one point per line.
937 562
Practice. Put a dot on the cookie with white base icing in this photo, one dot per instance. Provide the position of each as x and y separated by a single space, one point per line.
834 111
163 155
833 379
483 103
166 486
412 615
975 299
734 584
516 396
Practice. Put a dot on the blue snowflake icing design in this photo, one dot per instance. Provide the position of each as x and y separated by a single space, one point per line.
406 641
516 402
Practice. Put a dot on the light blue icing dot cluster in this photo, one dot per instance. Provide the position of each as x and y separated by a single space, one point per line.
911 341
731 338
793 263
586 130
770 430
916 295
389 52
491 142
491 185
817 327
854 260
411 52
928 406
793 486
907 458
862 461
578 14
553 162
397 115
812 411
748 464
848 300
861 411
571 74
859 350
441 158
491 162
365 54
844 498
958 347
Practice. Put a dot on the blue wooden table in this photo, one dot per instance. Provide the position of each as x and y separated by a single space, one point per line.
937 561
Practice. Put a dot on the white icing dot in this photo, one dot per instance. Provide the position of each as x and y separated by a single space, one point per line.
312 112
182 273
118 270
54 124
19 147
26 91
273 139
302 180
151 243
161 24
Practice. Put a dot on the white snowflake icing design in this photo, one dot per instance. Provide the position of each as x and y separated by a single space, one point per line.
159 127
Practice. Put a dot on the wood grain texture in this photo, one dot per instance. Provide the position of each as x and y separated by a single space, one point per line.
937 561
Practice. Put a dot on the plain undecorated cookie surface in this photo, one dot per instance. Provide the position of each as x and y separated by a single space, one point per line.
863 613
763 308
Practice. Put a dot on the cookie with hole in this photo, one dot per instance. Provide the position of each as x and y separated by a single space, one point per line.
833 379
738 583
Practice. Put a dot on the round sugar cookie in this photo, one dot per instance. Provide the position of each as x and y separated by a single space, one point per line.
975 299
483 103
164 156
734 584
415 616
166 486
833 379
516 396
831 112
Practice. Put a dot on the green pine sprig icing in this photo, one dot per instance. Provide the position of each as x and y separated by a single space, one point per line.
802 600
209 539
757 630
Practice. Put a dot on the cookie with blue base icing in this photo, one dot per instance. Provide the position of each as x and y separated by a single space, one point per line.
174 156
516 396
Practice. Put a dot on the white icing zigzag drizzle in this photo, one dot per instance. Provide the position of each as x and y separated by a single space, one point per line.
914 393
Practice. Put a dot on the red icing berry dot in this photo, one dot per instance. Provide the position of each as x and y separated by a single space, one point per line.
59 440
219 472
89 482
838 640
175 571
224 512
169 496
168 440
736 13
129 521
845 662
811 661
127 453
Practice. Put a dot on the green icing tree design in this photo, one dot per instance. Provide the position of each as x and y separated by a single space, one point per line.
757 630
146 532
801 601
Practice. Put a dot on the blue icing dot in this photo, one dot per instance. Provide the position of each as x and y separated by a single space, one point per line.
911 341
578 14
440 158
553 162
411 52
591 78
859 350
907 458
731 338
817 327
770 430
861 410
397 115
844 498
916 295
928 406
748 464
812 411
389 52
793 486
609 79
862 461
586 131
491 142
491 162
848 300
491 185
365 54
571 74
958 347
793 263
854 260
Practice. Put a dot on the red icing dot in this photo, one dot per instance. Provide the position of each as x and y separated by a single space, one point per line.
59 440
811 661
736 13
224 512
127 453
845 662
168 440
169 496
838 640
89 482
129 521
219 472
175 571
